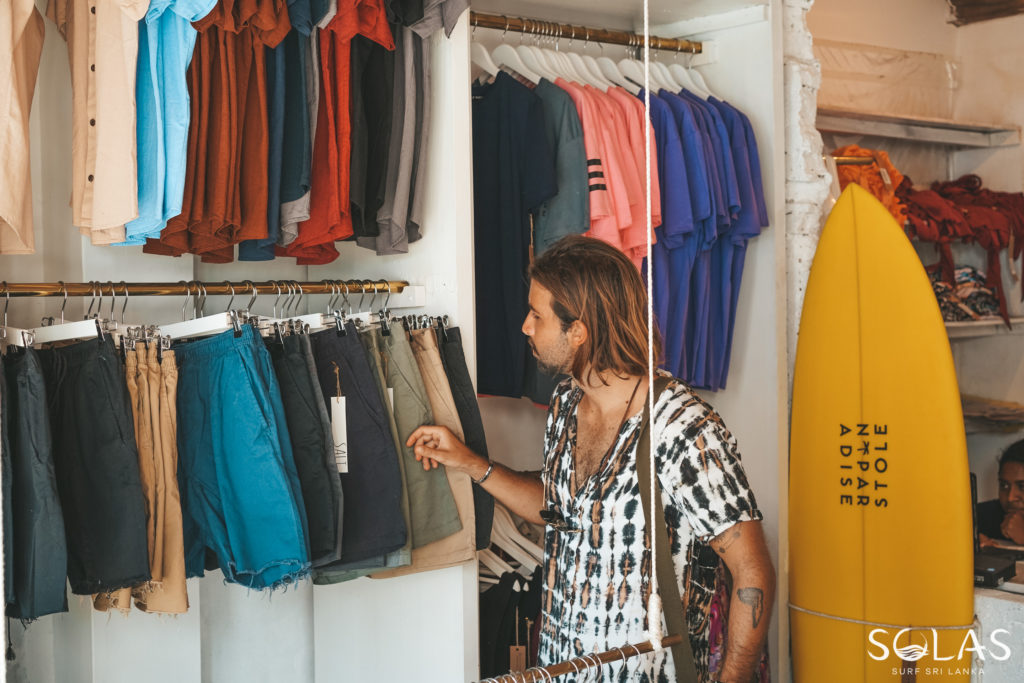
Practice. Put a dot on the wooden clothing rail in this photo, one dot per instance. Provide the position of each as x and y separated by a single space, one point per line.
194 287
580 664
584 33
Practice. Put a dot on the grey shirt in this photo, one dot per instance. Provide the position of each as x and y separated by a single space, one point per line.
568 212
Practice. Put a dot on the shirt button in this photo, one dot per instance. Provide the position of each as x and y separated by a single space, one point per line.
92 122
92 67
90 178
93 10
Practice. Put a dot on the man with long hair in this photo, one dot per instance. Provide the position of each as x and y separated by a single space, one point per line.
588 319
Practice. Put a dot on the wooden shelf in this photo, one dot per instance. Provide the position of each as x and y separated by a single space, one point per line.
983 328
918 129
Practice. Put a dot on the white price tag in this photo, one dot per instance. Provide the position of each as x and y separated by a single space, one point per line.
339 430
391 398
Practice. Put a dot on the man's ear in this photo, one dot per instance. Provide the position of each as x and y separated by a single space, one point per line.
577 334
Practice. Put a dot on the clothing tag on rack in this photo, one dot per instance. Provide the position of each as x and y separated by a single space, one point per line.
517 658
339 430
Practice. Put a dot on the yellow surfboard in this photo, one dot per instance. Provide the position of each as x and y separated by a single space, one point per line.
879 498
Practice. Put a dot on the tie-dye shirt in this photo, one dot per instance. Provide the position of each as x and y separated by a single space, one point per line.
596 578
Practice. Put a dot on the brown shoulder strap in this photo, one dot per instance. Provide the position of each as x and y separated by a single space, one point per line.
682 653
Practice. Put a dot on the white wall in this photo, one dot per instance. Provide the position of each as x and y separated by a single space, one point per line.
918 25
992 70
421 627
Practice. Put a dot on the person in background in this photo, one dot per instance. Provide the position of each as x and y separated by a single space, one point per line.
1002 519
588 318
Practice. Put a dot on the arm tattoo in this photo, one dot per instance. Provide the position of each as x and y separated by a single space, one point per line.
721 544
755 598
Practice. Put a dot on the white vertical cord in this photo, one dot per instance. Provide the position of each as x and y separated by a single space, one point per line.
654 605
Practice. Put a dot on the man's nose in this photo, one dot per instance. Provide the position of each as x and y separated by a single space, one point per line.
527 327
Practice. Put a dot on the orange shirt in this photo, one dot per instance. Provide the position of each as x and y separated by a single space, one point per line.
329 217
600 198
226 184
873 177
633 109
21 35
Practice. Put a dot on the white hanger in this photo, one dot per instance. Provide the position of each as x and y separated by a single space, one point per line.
563 65
634 71
507 530
92 326
534 60
494 563
612 72
507 55
597 80
666 77
202 326
698 79
482 58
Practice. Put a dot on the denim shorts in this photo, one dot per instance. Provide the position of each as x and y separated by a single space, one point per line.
239 487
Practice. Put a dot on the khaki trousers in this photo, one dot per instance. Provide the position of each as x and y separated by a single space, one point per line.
152 389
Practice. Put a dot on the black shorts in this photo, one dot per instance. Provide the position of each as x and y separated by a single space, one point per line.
97 467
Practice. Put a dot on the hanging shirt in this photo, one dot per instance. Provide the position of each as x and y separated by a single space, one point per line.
371 107
103 41
685 196
599 196
632 232
392 214
596 578
568 212
633 110
438 13
21 46
166 42
226 182
302 64
513 174
330 219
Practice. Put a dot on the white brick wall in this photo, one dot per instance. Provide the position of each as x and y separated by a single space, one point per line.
807 181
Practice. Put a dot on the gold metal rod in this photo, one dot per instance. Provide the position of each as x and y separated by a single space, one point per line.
854 161
594 35
21 289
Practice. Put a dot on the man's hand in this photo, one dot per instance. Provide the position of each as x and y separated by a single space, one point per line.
1013 526
985 542
435 445
520 492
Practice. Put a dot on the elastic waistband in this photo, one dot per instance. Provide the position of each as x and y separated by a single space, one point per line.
84 351
218 345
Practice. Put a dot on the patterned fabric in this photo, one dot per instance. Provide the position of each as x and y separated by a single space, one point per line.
596 579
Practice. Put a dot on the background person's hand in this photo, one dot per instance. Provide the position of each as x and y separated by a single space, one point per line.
1013 526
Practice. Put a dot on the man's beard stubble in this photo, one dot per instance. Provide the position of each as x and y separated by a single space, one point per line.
556 362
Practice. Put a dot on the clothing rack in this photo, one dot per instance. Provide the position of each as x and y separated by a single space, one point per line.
854 161
183 288
584 33
579 664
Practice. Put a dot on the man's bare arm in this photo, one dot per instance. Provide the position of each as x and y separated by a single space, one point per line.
743 549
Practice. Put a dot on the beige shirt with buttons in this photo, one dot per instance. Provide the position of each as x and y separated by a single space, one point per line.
21 44
103 43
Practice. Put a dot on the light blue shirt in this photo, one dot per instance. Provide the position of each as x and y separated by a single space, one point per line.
166 42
